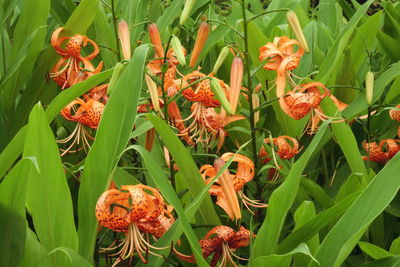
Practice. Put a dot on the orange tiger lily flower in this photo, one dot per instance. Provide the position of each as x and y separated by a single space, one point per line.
221 241
243 175
383 152
134 210
66 71
283 57
287 148
86 113
395 115
203 96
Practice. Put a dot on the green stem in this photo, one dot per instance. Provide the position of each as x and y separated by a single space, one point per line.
267 12
115 29
249 87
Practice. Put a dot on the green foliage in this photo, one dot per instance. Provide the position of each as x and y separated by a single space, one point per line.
327 206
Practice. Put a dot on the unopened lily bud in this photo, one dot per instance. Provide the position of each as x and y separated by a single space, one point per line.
220 95
256 103
124 38
236 82
150 134
156 40
221 59
201 40
118 69
186 11
151 85
178 50
369 86
226 183
296 27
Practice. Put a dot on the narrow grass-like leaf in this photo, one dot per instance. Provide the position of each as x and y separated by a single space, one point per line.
187 166
343 236
285 259
48 197
112 136
374 251
281 200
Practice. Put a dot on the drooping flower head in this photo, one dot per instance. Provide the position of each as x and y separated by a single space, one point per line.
134 210
283 55
287 148
72 63
221 242
383 152
86 113
225 198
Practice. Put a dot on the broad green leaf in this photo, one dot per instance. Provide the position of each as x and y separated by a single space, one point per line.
335 52
304 213
187 166
360 103
48 197
12 215
344 136
112 136
34 254
285 259
351 185
395 246
73 256
15 146
374 251
387 262
82 17
335 247
309 229
280 202
317 192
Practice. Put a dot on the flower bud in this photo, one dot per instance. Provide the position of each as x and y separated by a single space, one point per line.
226 183
178 50
188 6
156 40
201 40
236 82
369 86
150 134
151 85
296 27
256 103
220 95
118 69
220 59
124 38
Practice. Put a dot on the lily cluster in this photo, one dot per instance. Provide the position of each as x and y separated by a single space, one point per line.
208 116
71 69
283 55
